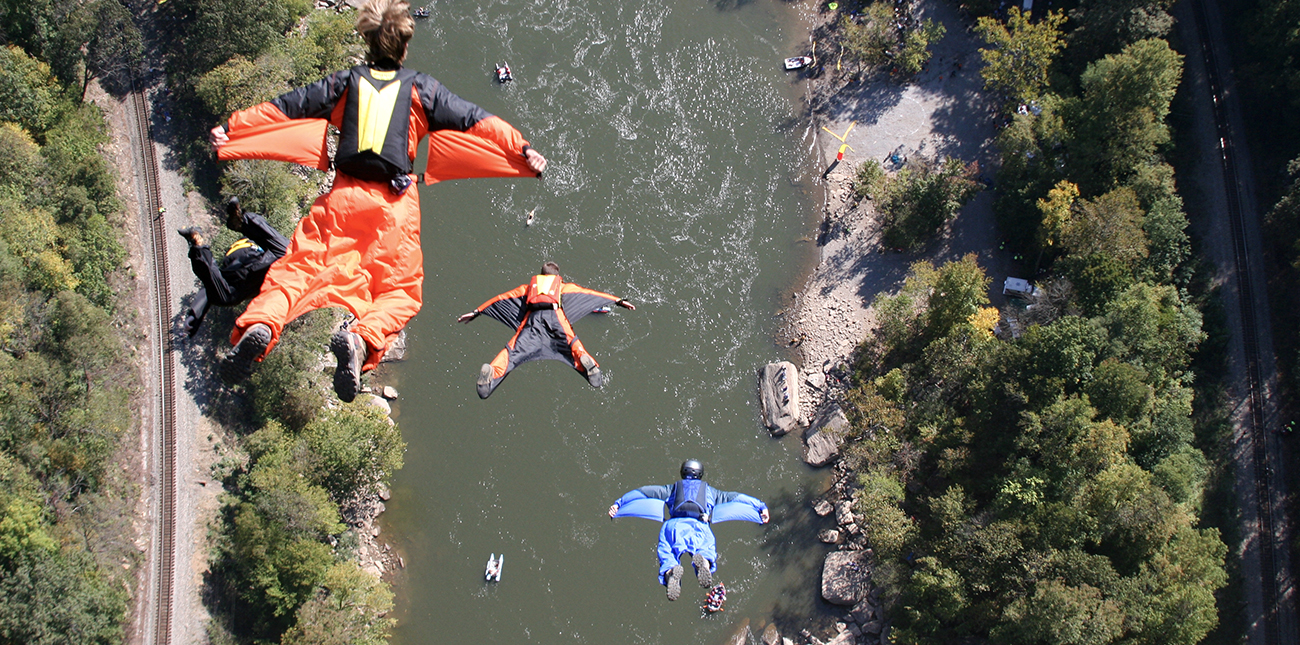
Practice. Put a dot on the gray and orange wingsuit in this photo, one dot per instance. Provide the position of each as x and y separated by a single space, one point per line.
542 314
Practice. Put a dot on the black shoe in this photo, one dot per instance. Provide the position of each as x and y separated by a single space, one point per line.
234 215
350 350
192 235
703 572
485 381
674 582
594 377
238 364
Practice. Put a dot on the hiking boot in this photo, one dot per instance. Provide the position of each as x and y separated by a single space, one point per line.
593 371
234 215
350 350
192 235
674 582
238 364
485 381
703 572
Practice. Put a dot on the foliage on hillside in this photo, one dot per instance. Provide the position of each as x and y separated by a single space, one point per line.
66 552
1039 480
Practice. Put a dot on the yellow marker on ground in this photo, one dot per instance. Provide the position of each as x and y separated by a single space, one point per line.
846 132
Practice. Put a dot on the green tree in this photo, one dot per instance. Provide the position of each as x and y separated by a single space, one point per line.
55 597
1020 54
240 83
959 291
871 39
1061 614
890 529
915 51
350 608
31 92
1118 122
923 197
1102 27
351 450
113 47
1109 225
214 32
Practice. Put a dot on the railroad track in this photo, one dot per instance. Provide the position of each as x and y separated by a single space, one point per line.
165 537
1250 339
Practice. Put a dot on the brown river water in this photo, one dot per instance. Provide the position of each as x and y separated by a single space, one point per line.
680 177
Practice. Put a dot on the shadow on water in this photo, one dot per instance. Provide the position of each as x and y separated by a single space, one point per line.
792 547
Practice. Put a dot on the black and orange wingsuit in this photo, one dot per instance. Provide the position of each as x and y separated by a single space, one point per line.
539 312
360 246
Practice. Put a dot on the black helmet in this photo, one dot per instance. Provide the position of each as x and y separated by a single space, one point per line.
692 469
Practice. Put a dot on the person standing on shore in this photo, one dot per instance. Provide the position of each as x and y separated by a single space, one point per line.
360 246
692 506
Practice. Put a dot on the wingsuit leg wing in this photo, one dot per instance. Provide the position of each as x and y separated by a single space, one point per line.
685 535
543 335
356 230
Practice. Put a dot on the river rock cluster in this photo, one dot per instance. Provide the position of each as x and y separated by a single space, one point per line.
846 572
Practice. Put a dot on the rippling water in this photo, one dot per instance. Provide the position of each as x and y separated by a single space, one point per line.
677 179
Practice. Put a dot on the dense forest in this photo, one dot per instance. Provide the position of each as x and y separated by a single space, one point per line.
67 552
283 554
1039 474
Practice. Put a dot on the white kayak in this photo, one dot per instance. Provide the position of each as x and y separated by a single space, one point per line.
798 62
492 573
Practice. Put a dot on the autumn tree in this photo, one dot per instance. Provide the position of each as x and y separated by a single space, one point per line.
1020 53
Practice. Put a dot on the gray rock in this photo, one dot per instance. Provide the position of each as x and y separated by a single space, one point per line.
864 614
873 627
842 638
787 641
778 386
824 437
385 494
821 449
823 507
844 513
380 403
397 352
829 536
846 578
771 636
388 392
855 630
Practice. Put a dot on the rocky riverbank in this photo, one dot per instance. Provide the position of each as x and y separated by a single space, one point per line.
940 112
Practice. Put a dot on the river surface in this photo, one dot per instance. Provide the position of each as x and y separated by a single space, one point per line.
679 178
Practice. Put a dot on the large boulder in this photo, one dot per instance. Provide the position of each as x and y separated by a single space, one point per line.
846 577
823 439
778 387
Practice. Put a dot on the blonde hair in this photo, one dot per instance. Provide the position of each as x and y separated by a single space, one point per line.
386 26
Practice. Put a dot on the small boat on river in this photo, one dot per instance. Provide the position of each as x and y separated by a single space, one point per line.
503 73
422 12
492 573
798 62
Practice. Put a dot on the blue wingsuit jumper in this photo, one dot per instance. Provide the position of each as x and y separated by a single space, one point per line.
692 506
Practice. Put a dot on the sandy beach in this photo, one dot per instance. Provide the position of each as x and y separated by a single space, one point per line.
940 112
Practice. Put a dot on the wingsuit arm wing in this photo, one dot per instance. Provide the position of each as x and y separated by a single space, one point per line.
507 307
580 301
291 127
465 141
742 507
636 503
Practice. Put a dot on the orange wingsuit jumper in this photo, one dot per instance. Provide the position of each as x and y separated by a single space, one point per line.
359 247
542 314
